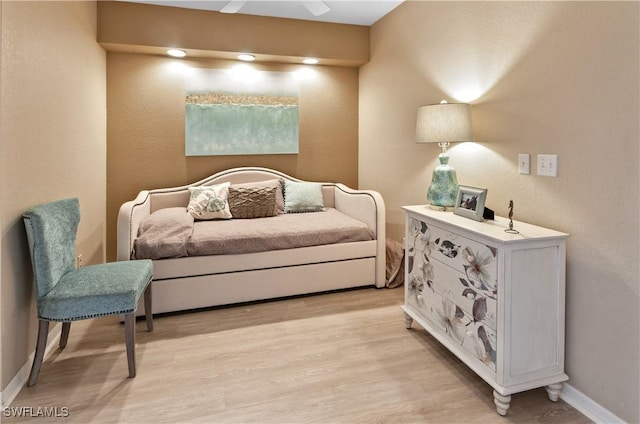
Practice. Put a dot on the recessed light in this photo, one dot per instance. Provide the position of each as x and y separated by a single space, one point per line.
176 53
246 57
310 61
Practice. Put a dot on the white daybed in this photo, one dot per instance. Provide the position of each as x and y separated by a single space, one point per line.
201 281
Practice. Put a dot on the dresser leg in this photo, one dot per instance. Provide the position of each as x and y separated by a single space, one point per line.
502 403
407 320
553 391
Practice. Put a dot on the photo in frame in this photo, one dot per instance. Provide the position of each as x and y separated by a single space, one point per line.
470 202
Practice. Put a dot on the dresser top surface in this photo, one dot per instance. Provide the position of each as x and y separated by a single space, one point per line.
494 229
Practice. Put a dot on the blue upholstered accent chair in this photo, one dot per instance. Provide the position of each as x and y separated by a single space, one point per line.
65 293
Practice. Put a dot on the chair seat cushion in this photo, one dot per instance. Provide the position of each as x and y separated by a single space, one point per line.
97 290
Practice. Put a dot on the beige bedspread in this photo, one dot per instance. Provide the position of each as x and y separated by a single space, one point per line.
284 231
235 236
163 234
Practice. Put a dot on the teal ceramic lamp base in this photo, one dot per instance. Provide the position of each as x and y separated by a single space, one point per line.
444 185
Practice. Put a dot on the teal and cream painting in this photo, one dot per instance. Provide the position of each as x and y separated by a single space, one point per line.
240 111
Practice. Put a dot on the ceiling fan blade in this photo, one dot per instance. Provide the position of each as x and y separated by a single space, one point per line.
317 7
233 6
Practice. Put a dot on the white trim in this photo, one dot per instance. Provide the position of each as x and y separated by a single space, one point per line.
592 410
20 379
1 143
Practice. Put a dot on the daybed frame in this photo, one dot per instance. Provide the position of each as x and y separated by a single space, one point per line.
203 281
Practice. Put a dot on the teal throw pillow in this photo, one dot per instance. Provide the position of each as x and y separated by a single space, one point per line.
302 197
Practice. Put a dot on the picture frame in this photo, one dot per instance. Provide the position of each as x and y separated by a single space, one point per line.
470 202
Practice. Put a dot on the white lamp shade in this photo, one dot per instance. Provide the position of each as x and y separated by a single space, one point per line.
444 122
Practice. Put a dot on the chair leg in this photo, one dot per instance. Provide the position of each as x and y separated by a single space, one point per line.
43 333
148 308
64 336
130 340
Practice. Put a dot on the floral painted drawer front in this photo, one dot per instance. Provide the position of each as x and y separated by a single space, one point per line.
451 280
475 259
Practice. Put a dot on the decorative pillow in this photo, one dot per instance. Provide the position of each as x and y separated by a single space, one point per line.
209 202
252 202
302 197
276 183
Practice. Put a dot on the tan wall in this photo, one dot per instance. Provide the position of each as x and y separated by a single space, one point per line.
135 27
543 77
53 145
146 128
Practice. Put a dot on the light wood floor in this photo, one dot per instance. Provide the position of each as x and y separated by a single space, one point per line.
334 358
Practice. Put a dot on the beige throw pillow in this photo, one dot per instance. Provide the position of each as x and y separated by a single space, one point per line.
252 202
277 183
209 202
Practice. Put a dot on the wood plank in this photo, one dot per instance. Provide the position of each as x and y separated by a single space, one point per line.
341 357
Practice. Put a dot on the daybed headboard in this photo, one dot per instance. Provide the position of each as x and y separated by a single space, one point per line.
179 196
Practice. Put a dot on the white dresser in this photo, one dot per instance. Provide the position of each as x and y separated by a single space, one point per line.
494 299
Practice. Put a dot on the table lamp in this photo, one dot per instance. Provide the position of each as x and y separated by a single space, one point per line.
443 123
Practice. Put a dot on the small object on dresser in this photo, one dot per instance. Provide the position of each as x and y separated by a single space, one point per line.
470 202
488 214
510 230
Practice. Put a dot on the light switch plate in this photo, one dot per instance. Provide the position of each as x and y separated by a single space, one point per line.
548 165
524 164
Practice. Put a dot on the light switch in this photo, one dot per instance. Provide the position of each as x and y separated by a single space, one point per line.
523 164
548 165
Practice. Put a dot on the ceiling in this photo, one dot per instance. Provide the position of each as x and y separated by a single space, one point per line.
355 12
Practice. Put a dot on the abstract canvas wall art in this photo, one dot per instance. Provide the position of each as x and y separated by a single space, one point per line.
240 111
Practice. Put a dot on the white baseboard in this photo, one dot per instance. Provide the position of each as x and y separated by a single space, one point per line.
20 379
592 410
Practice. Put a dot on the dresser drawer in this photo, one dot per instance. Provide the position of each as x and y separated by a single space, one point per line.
465 273
476 338
480 305
475 260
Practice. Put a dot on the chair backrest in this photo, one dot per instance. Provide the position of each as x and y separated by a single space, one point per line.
51 234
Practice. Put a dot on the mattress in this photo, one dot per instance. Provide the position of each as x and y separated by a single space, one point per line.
180 236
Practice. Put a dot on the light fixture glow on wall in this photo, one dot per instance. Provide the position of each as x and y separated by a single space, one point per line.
176 53
246 57
310 61
443 123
